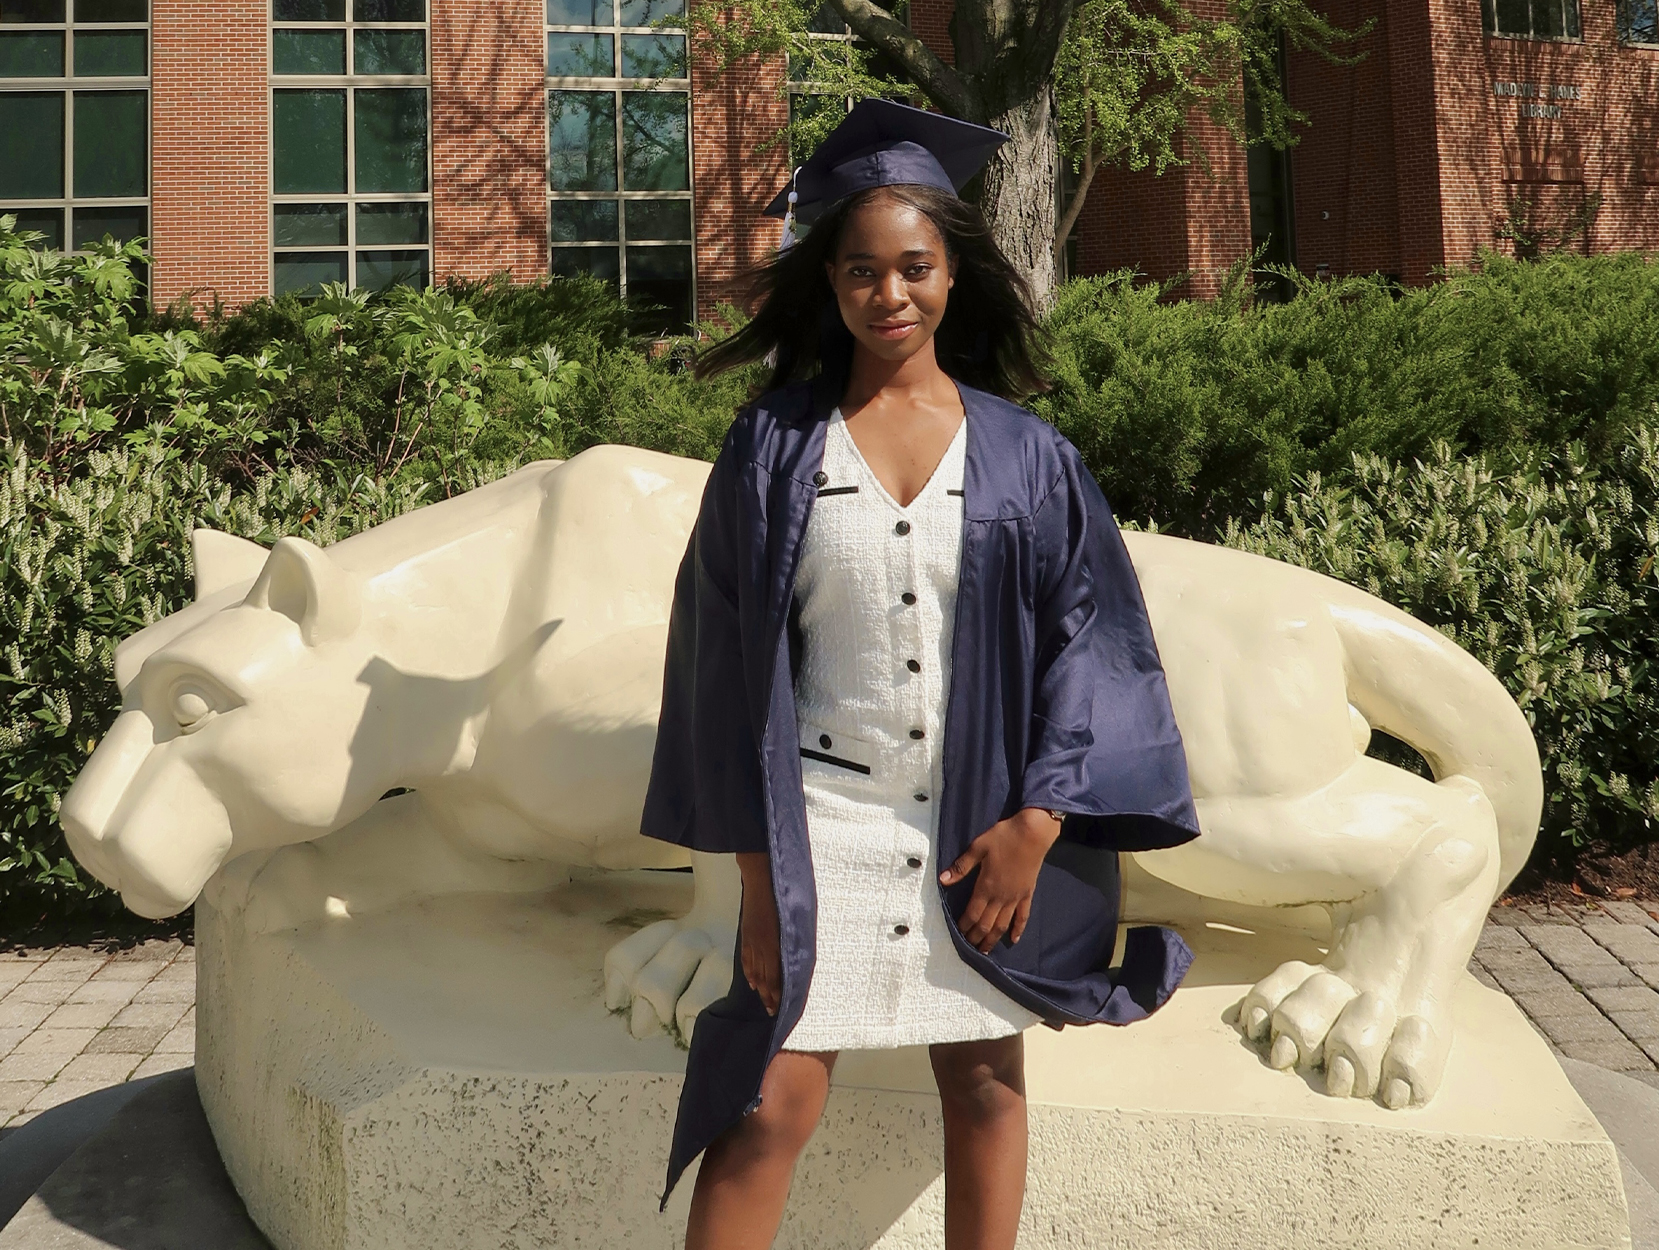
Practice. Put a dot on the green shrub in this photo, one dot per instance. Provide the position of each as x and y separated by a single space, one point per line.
1541 566
1188 412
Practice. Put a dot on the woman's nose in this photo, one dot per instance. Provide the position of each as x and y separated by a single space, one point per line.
890 291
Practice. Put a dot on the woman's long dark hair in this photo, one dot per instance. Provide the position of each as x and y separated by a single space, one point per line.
989 337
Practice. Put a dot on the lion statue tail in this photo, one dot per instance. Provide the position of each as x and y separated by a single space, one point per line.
1414 683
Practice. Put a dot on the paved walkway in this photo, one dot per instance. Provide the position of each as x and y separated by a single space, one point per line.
73 1021
1586 977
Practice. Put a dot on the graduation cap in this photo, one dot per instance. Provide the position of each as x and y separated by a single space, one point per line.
881 144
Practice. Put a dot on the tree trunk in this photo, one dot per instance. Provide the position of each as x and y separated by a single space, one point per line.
1019 191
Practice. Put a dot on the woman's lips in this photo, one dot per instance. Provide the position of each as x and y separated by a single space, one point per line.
895 330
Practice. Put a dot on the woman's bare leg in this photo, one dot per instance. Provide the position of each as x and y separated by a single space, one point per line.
982 1092
744 1180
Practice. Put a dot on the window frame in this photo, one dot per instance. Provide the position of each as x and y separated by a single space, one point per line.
618 88
1490 7
69 84
1619 26
350 83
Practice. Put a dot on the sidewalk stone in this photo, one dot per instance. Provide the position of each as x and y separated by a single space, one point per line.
118 992
104 1069
1565 1030
1496 939
22 1015
1620 1056
129 970
51 993
9 1038
82 1016
60 1092
49 1041
31 1067
1627 912
159 991
1578 957
1632 944
1562 1000
1648 972
126 1041
139 1015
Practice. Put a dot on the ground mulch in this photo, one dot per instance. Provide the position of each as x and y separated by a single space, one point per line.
1595 874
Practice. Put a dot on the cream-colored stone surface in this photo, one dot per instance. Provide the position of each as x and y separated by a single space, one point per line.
500 655
442 1073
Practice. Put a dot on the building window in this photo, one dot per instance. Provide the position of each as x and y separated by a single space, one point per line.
350 179
1531 19
1639 21
619 154
74 118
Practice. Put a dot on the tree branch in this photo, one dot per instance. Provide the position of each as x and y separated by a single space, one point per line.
938 81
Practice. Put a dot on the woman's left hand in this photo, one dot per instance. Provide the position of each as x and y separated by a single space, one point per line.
1008 855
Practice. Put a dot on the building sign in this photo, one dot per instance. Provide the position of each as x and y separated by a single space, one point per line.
1535 97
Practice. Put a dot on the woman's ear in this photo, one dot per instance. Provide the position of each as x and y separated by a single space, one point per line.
829 273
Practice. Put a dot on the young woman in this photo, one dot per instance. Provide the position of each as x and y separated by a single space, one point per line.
911 686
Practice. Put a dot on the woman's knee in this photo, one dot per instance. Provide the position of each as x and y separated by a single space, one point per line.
792 1100
984 1080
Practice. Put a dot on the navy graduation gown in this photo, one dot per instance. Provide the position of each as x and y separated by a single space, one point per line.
1057 700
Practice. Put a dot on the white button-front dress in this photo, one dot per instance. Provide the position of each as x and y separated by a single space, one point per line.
876 589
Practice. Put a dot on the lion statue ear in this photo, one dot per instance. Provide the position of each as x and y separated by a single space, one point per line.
301 581
223 560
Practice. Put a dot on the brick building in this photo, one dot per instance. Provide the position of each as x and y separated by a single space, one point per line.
268 145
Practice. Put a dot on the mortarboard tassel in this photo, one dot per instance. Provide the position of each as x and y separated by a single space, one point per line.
787 239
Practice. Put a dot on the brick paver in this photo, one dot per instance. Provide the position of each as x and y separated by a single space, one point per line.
1586 977
73 1021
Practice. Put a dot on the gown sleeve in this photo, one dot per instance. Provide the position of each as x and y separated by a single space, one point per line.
705 792
1104 746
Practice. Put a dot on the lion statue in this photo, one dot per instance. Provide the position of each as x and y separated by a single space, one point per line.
498 656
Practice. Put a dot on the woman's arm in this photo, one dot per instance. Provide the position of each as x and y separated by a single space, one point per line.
762 962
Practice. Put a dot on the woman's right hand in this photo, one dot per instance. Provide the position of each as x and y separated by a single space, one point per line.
758 927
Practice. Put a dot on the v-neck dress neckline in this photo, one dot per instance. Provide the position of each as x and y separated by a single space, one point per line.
838 424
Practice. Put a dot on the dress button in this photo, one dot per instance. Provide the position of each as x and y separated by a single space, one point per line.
819 478
920 796
913 665
907 598
902 528
917 734
914 862
824 741
901 929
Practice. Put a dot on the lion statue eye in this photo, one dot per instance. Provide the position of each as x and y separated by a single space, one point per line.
191 708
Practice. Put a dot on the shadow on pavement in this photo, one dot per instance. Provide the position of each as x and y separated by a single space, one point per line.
148 1179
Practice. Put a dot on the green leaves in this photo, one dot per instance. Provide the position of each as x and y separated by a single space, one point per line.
1539 563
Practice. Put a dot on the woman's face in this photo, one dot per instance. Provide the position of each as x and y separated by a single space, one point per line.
891 277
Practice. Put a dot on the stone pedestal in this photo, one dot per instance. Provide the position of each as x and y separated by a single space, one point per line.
445 1076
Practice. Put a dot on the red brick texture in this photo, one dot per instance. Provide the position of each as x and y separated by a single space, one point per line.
489 138
209 154
1590 136
734 112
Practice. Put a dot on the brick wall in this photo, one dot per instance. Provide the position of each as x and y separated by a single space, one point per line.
1600 143
209 213
489 138
1343 167
734 112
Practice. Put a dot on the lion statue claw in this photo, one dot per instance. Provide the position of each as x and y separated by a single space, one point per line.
465 699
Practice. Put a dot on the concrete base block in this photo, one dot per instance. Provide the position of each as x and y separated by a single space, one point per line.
445 1075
